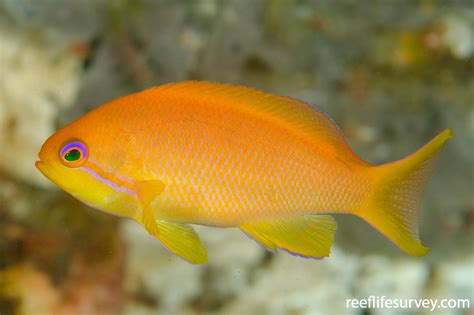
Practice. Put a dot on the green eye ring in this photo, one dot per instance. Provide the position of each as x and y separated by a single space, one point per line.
74 154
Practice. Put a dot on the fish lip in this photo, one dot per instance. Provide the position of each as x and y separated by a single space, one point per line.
45 169
40 165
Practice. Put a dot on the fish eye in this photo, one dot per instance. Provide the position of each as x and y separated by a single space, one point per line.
74 154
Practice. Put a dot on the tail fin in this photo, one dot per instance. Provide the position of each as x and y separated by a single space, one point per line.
393 207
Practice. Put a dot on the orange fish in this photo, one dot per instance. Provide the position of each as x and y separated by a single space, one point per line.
230 156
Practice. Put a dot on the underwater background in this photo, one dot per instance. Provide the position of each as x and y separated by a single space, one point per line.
391 74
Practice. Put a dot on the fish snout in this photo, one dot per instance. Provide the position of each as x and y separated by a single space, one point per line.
41 166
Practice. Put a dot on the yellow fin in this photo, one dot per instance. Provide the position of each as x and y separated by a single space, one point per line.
393 208
147 192
296 114
308 236
182 240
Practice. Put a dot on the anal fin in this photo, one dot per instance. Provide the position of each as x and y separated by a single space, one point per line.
308 236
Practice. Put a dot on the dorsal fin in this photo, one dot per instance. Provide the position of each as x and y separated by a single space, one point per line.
295 113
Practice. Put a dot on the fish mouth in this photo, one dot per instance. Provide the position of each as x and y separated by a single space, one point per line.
46 170
42 167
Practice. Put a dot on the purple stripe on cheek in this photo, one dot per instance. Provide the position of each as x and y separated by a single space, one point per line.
109 183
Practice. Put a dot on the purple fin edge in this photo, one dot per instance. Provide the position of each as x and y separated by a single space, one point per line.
252 238
302 256
283 249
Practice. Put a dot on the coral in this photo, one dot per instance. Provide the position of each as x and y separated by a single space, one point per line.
16 284
38 79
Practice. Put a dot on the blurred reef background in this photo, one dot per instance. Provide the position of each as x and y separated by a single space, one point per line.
391 73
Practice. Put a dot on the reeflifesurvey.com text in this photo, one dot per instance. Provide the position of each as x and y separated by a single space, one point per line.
383 302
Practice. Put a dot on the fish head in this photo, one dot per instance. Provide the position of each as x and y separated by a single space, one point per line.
60 160
73 159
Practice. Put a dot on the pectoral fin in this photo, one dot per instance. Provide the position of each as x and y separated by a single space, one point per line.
147 192
308 236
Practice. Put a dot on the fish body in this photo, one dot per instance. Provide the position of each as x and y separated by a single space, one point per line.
230 156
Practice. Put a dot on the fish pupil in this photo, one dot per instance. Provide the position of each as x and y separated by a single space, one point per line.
73 155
